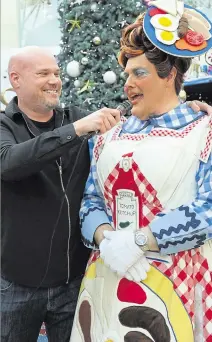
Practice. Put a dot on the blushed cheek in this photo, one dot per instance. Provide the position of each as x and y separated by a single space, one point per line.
141 84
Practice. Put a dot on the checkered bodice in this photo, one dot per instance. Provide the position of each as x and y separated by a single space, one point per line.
143 174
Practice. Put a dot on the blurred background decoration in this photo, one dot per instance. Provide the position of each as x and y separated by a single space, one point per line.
89 44
84 36
39 23
4 98
34 2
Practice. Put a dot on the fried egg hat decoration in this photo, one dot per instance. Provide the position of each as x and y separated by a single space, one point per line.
177 29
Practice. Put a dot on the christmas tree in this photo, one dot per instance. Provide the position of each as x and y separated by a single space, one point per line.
91 32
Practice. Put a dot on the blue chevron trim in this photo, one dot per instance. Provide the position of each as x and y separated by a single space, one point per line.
193 223
87 213
200 241
87 243
186 210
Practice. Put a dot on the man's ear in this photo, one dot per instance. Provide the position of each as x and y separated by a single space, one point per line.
14 79
171 77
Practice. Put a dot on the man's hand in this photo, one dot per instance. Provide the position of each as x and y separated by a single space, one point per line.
200 106
139 270
99 233
100 121
120 252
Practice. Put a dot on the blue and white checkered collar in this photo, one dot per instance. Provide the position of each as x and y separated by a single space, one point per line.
175 119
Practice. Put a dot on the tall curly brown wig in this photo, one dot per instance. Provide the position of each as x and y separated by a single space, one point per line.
134 42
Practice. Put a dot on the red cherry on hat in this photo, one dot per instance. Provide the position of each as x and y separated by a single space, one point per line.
130 292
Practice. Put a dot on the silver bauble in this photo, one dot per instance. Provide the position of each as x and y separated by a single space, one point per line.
84 60
97 40
94 7
77 84
73 69
109 77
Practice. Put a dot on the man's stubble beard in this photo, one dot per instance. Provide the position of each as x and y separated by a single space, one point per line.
49 105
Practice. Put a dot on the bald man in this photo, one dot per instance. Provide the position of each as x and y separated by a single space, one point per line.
44 167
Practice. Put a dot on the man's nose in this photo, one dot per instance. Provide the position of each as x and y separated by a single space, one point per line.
128 84
53 79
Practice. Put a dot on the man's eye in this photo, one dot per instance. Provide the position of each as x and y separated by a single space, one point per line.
140 73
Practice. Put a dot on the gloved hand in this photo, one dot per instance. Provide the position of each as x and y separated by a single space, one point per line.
120 252
139 270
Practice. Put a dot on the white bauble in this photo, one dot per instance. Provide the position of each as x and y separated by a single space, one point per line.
84 60
77 84
97 40
110 77
94 7
73 69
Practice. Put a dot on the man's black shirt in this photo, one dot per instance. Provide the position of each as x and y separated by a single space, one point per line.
32 196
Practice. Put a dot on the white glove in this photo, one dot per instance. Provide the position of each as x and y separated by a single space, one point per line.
119 251
139 270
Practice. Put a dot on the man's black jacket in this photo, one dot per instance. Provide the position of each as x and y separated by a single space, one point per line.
31 196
